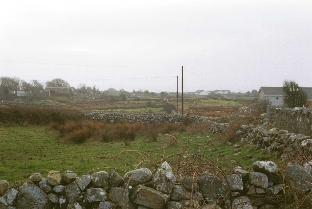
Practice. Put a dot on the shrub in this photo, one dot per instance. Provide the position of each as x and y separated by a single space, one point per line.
78 136
37 115
81 130
169 108
294 95
231 132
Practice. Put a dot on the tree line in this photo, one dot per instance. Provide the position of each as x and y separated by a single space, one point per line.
12 88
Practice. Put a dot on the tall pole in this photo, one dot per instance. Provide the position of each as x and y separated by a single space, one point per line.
178 93
182 91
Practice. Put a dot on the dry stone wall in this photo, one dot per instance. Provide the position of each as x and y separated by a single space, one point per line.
261 188
296 120
114 117
276 140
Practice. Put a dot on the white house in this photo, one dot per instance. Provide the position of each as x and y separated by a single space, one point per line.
275 95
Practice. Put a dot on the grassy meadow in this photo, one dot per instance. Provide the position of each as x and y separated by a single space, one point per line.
28 149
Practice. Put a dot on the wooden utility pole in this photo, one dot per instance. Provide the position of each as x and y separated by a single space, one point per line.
182 91
177 93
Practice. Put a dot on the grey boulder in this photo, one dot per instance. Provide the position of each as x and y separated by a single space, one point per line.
259 179
72 192
242 202
267 167
148 197
100 179
299 178
83 182
164 178
138 176
68 177
235 182
212 187
31 196
106 205
179 193
95 195
9 197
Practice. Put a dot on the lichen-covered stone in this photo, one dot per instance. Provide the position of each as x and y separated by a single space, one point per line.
179 193
100 179
308 167
83 182
267 167
120 196
149 197
259 179
68 177
212 187
115 179
299 178
174 205
164 178
235 182
74 205
276 189
106 205
53 198
59 189
9 197
138 176
95 195
54 178
242 202
72 192
31 196
43 184
35 177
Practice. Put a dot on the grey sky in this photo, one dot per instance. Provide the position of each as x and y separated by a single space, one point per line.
141 44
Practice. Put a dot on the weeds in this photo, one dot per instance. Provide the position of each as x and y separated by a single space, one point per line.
82 130
36 115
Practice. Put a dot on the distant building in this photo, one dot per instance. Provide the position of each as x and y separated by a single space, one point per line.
275 95
222 92
215 92
58 91
204 93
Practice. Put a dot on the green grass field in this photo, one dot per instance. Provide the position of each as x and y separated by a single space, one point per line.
28 149
218 102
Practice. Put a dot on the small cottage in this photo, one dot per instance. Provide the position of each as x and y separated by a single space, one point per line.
275 95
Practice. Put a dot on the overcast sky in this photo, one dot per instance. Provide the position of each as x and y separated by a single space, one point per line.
141 44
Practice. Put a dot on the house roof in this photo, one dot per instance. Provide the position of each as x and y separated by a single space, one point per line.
278 91
272 91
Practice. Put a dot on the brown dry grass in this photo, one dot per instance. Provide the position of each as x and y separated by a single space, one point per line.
36 115
82 130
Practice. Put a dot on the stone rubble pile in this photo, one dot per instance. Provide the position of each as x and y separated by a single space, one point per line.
275 140
262 188
113 117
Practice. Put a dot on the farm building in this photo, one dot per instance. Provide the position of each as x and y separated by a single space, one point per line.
275 95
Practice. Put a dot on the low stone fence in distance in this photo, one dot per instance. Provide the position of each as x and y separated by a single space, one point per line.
276 140
262 188
296 120
114 117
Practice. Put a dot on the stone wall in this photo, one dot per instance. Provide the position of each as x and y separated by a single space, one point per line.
141 189
297 120
113 117
276 140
